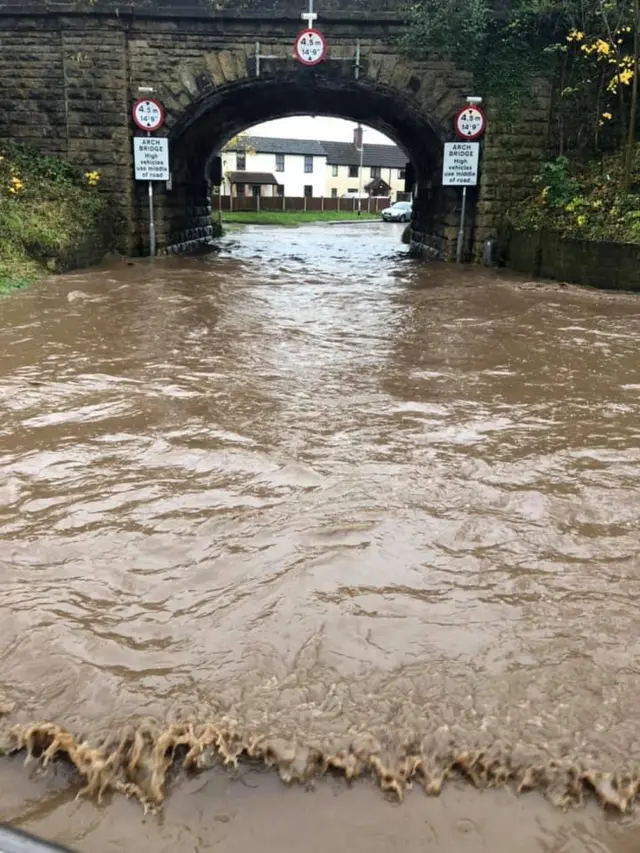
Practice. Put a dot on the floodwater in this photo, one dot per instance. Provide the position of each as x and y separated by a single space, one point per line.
310 511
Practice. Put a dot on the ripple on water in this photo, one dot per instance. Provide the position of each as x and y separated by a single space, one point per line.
295 507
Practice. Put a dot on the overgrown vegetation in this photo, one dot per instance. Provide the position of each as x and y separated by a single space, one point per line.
47 210
584 200
591 48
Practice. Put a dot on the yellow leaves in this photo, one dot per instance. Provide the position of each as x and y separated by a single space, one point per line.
624 76
607 116
581 220
15 185
92 178
575 35
599 46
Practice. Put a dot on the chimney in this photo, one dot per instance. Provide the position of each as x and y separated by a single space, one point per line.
358 136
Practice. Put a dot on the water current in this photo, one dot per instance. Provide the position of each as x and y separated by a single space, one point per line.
313 506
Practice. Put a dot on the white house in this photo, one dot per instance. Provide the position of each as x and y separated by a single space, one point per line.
291 167
266 166
383 170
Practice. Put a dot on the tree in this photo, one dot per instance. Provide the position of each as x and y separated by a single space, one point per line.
597 41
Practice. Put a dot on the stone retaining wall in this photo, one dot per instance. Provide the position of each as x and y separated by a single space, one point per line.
545 254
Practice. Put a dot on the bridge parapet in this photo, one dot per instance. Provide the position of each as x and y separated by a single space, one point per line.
339 10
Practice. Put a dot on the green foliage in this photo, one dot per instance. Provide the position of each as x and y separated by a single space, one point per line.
47 208
504 53
584 201
558 186
506 47
455 29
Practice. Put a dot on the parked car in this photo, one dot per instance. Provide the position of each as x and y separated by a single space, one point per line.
399 212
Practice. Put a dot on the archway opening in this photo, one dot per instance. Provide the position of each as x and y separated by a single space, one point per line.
202 129
309 168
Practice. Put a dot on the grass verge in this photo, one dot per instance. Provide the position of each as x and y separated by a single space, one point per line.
48 212
293 218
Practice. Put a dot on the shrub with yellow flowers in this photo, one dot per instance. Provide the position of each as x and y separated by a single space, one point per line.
602 52
48 208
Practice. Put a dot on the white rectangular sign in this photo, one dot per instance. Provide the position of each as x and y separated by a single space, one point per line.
460 165
151 157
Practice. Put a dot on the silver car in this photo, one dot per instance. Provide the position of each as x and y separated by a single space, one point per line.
398 212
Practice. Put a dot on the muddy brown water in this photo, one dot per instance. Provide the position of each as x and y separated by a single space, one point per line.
308 510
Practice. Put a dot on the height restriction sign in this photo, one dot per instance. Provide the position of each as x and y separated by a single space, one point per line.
470 122
147 114
310 47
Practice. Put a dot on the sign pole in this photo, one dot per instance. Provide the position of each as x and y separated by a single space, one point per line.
460 243
361 169
152 224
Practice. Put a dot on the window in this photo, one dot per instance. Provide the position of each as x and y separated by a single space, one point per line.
334 171
280 190
402 174
256 190
354 171
308 191
375 171
308 164
334 193
241 160
279 162
239 189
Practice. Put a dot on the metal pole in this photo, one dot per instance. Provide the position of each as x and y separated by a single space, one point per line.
152 224
460 243
361 133
357 68
257 59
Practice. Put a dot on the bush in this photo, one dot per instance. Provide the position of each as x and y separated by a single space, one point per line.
584 200
47 210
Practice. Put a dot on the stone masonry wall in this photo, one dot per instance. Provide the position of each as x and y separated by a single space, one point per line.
611 266
512 152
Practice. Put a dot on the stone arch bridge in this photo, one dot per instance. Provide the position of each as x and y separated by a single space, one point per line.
71 70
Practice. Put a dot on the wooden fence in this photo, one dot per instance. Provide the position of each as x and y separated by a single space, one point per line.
295 203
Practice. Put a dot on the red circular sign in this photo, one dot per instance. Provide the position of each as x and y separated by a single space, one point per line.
470 122
148 114
309 47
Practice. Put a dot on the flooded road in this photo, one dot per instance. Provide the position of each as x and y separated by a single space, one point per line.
311 505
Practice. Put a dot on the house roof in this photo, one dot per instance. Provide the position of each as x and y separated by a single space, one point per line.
252 178
346 154
337 153
272 145
377 183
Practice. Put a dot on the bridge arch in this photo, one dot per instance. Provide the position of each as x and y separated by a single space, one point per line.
199 128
